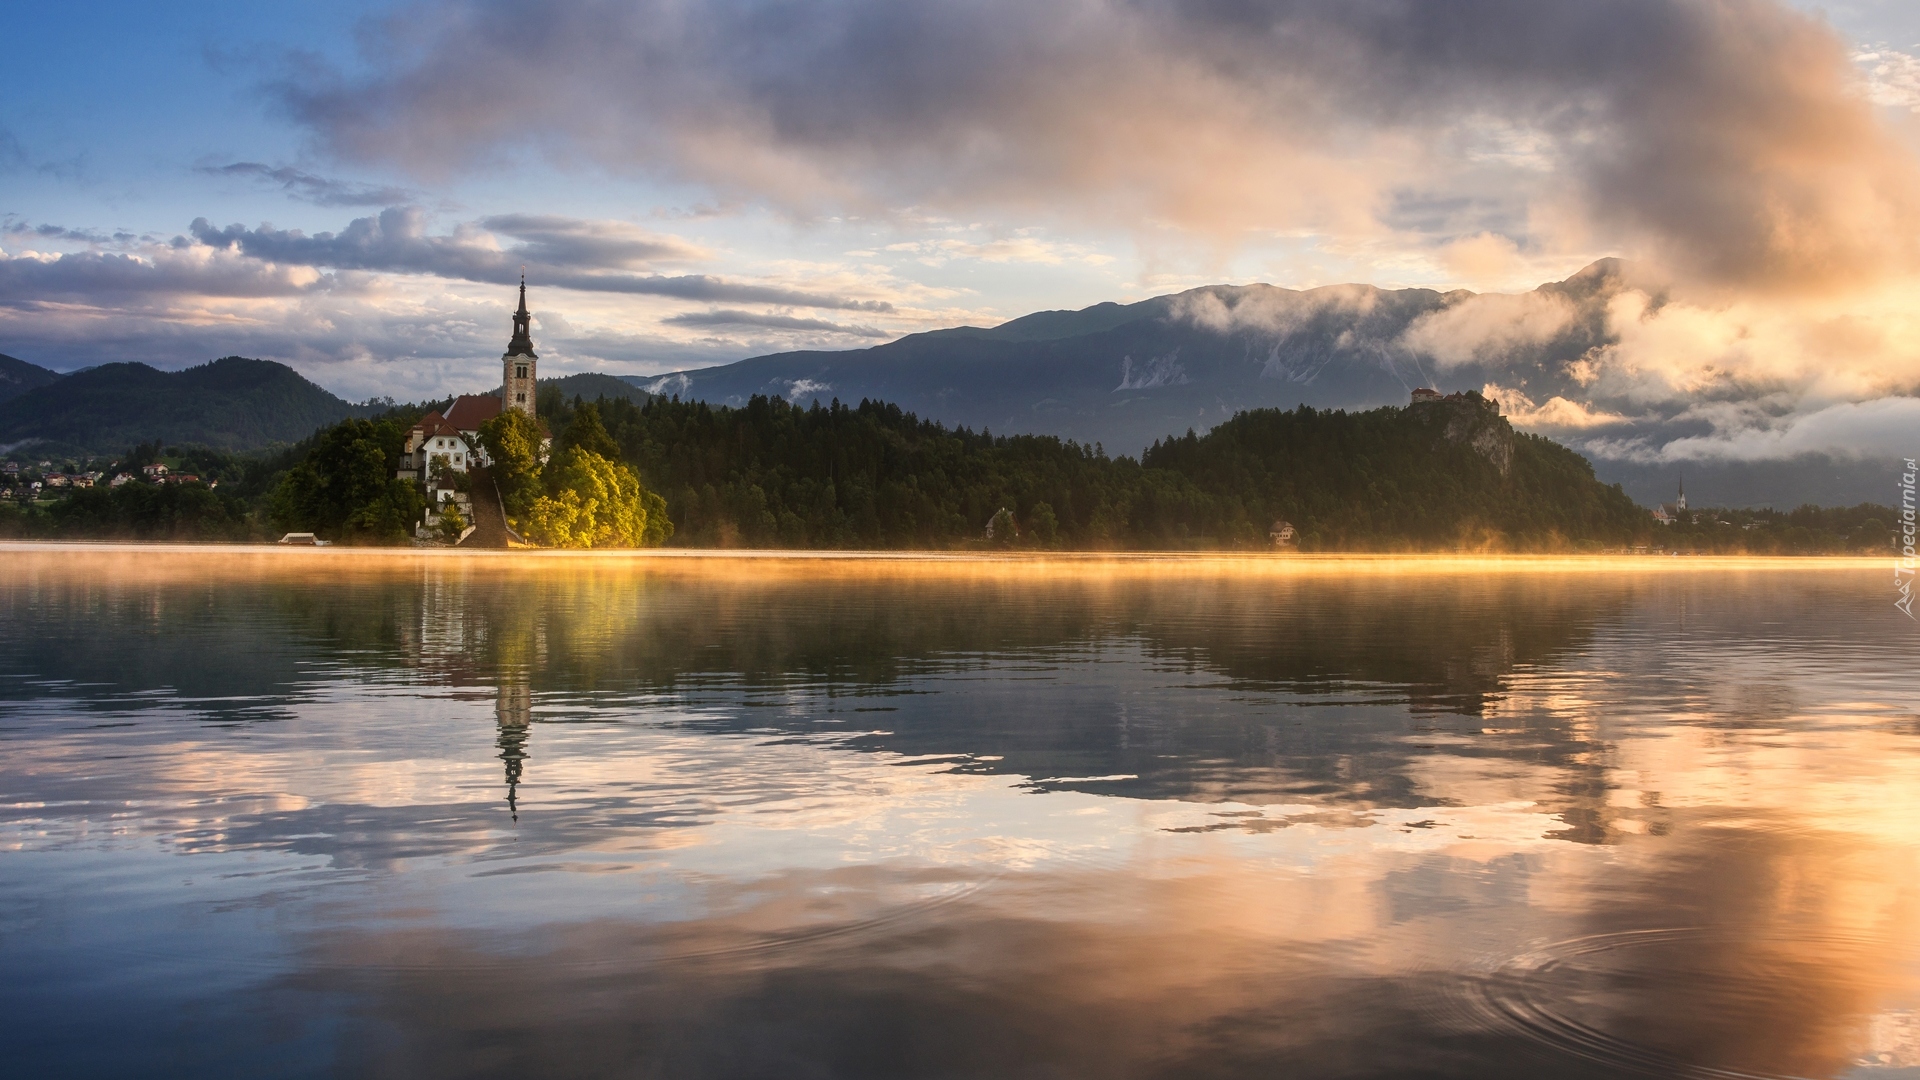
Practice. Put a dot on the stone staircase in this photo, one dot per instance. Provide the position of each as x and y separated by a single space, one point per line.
489 520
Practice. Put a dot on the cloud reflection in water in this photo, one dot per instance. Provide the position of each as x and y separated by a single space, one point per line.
871 820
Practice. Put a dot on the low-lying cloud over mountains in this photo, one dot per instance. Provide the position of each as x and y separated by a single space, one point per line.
1606 361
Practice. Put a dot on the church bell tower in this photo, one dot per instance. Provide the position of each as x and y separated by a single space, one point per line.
517 375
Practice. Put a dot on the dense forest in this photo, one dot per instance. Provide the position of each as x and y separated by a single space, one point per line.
771 474
1439 476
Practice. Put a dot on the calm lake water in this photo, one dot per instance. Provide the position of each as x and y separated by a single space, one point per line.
319 813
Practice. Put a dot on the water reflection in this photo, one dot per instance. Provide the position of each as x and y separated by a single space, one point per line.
515 711
474 817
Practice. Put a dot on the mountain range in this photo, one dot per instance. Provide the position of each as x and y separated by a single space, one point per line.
232 404
1125 375
1117 375
17 377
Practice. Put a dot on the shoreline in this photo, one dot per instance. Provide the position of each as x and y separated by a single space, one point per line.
1307 562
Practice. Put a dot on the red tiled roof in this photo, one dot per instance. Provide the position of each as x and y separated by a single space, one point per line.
469 411
433 425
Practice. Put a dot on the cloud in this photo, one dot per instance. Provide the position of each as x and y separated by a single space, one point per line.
729 319
13 156
30 278
1482 257
381 307
412 338
557 252
1893 77
1881 428
1490 326
1268 311
564 241
1729 138
15 159
1557 414
319 190
61 232
1011 249
1643 373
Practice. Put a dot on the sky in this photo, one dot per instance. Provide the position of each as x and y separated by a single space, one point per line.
354 187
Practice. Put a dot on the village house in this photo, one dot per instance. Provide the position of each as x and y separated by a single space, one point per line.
448 443
1283 535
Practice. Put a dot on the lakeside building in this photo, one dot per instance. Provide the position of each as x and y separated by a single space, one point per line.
452 442
441 449
1668 513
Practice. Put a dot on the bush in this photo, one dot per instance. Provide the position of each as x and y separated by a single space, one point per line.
595 503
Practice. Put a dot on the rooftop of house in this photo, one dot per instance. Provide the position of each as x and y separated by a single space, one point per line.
469 411
433 425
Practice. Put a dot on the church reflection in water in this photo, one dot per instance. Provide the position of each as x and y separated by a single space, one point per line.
513 709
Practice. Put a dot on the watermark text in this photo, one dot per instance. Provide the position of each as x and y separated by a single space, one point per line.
1903 567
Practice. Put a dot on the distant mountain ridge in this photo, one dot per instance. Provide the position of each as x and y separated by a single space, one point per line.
17 377
592 385
233 403
1124 375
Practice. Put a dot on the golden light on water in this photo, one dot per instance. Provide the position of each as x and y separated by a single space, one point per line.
773 563
1109 806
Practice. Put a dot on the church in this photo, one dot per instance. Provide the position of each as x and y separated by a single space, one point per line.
1668 513
452 442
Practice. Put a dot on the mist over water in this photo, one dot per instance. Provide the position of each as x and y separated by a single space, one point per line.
299 814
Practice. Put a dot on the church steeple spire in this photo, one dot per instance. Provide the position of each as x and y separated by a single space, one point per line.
518 377
522 343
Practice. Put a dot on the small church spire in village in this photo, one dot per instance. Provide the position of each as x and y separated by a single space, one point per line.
517 367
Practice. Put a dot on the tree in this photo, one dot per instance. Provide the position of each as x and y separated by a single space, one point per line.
1001 529
593 502
586 432
1044 523
452 522
344 489
512 441
152 512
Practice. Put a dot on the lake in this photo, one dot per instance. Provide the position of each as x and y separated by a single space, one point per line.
319 813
